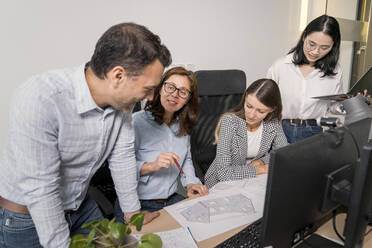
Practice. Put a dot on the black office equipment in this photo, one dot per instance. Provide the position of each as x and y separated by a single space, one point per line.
365 82
249 237
360 203
219 91
298 200
102 190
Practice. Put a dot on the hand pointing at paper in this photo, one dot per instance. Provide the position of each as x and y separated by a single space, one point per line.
196 189
164 160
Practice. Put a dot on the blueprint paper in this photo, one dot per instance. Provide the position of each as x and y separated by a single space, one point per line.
228 205
257 183
179 238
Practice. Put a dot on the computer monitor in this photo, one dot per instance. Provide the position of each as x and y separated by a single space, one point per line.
360 203
298 178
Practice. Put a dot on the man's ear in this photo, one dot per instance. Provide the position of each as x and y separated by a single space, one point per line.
116 76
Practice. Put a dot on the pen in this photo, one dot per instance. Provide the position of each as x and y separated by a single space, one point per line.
179 167
192 236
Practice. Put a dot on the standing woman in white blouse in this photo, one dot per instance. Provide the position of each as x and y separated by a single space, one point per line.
310 69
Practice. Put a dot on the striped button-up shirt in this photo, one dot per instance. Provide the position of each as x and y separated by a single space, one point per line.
58 137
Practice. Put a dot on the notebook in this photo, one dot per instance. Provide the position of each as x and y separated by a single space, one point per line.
365 82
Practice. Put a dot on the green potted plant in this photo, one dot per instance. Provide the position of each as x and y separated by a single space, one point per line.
105 233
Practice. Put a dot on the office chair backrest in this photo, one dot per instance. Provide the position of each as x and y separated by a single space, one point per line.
219 91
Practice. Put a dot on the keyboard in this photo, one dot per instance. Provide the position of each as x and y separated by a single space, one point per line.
249 237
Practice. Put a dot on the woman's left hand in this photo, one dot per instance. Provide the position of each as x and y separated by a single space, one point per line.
261 167
194 189
257 162
364 93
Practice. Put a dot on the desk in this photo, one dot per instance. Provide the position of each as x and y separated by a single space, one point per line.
165 222
327 230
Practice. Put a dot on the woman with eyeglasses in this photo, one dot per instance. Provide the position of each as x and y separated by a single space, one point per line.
162 142
310 69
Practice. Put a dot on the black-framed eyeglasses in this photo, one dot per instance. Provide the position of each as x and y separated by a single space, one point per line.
182 92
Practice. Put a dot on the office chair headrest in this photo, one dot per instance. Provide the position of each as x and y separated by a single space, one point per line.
220 82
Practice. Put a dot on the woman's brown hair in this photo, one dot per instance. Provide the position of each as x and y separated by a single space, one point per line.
267 92
188 114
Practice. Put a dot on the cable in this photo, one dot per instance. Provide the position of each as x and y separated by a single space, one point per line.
335 227
358 157
370 230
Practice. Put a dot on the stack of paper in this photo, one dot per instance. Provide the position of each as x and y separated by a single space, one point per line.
179 238
228 205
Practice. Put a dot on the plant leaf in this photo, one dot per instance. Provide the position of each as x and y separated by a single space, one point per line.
137 220
78 241
145 245
118 230
91 225
91 236
112 220
152 239
105 222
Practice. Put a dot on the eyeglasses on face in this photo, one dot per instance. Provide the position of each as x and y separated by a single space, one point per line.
311 46
182 92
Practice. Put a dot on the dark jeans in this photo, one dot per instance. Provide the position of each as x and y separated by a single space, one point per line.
18 230
296 133
148 205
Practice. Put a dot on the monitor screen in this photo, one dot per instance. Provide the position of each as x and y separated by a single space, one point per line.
294 203
360 203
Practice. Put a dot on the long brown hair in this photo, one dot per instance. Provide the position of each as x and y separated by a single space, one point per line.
267 92
188 114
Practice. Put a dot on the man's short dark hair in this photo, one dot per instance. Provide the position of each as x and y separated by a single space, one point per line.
129 45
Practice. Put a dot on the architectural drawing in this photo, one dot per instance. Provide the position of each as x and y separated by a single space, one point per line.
203 210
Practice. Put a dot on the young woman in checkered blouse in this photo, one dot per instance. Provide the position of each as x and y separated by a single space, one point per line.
246 135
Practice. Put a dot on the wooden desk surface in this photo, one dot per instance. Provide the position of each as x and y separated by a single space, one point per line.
327 230
165 222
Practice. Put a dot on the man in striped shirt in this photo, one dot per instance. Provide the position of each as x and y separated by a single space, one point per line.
63 125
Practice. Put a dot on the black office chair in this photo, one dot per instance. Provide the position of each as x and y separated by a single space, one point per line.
102 188
219 91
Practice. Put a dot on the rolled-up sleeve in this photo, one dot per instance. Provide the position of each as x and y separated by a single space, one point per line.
122 163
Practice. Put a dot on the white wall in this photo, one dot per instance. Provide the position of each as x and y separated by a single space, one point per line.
38 35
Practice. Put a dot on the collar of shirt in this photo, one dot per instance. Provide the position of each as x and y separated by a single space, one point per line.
315 73
174 126
84 99
289 58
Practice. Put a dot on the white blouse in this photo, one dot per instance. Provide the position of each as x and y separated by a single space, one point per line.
253 143
297 91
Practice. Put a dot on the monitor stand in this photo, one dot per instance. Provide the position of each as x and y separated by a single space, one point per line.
316 240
